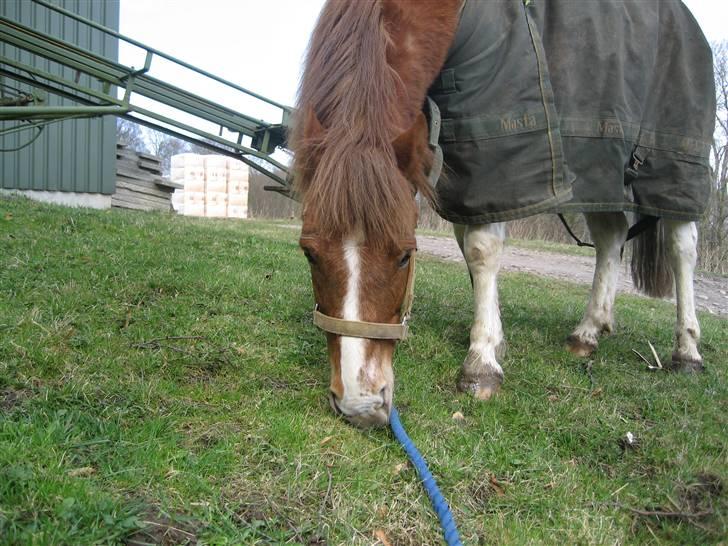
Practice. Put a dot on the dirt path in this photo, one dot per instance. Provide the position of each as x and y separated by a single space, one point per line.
711 293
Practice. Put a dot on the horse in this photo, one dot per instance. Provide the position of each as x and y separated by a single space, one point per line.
364 156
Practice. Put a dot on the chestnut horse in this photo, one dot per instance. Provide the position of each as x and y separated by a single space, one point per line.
361 156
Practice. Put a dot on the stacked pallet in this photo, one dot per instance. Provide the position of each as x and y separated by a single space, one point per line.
214 186
139 181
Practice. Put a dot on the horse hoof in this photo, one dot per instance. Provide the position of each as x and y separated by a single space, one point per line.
482 386
480 378
686 365
579 347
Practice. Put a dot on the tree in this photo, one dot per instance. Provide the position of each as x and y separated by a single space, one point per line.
713 253
131 134
164 147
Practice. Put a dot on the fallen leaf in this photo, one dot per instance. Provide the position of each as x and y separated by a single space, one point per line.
401 467
497 487
382 537
8 216
553 398
596 392
82 472
326 440
458 416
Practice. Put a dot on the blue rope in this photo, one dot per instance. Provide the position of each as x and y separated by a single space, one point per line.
439 504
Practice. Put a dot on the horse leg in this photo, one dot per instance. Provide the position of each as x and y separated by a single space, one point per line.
482 247
609 232
682 240
459 230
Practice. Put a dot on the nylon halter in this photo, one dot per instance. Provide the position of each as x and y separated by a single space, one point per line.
372 330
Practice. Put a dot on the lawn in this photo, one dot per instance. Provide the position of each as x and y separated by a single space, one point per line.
161 382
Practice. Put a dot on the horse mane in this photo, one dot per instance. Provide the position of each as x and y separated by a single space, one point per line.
349 111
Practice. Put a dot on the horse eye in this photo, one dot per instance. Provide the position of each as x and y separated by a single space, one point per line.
309 256
405 259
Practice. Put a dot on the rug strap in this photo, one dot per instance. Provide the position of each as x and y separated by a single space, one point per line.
579 242
432 112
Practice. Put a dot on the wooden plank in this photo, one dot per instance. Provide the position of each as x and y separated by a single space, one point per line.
169 184
137 175
132 185
117 203
151 166
149 157
140 195
146 181
139 184
136 204
127 154
123 205
126 195
124 168
120 203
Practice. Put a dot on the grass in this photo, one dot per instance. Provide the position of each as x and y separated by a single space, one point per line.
161 382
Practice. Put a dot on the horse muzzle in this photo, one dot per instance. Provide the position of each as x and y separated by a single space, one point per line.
367 412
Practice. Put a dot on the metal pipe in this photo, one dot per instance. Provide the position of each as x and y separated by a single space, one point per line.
42 112
157 52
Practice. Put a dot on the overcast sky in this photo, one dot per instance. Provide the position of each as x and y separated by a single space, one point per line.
259 44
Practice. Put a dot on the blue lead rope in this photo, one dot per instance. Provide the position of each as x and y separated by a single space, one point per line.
439 504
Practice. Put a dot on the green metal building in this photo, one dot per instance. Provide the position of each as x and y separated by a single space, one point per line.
71 161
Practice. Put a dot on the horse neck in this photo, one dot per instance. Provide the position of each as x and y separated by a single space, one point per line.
367 72
420 36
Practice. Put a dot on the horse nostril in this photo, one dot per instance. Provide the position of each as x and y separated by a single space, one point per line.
386 395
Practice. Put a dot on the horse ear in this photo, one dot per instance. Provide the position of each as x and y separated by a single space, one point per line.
408 145
312 128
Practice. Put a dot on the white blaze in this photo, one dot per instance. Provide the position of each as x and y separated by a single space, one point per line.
353 349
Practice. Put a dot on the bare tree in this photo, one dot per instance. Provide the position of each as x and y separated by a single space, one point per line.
713 251
131 134
164 147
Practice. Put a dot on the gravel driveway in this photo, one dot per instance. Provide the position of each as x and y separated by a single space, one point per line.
711 293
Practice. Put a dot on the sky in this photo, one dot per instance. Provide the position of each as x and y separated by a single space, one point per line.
260 44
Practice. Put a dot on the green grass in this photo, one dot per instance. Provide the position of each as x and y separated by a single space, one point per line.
111 433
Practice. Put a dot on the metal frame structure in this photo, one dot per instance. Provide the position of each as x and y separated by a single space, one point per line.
28 107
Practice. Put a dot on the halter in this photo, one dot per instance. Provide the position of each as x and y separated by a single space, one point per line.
383 330
372 330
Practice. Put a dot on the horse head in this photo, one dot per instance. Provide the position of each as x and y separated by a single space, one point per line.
361 249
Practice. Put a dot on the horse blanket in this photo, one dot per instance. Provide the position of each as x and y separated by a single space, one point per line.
575 105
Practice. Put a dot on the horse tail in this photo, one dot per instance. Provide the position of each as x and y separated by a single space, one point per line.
651 271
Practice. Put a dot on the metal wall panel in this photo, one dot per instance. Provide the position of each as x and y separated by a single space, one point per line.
72 155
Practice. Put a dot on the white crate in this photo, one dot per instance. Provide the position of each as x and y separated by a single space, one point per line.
216 162
187 172
235 165
189 159
216 185
195 185
178 201
238 176
235 186
238 199
194 203
215 205
237 211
